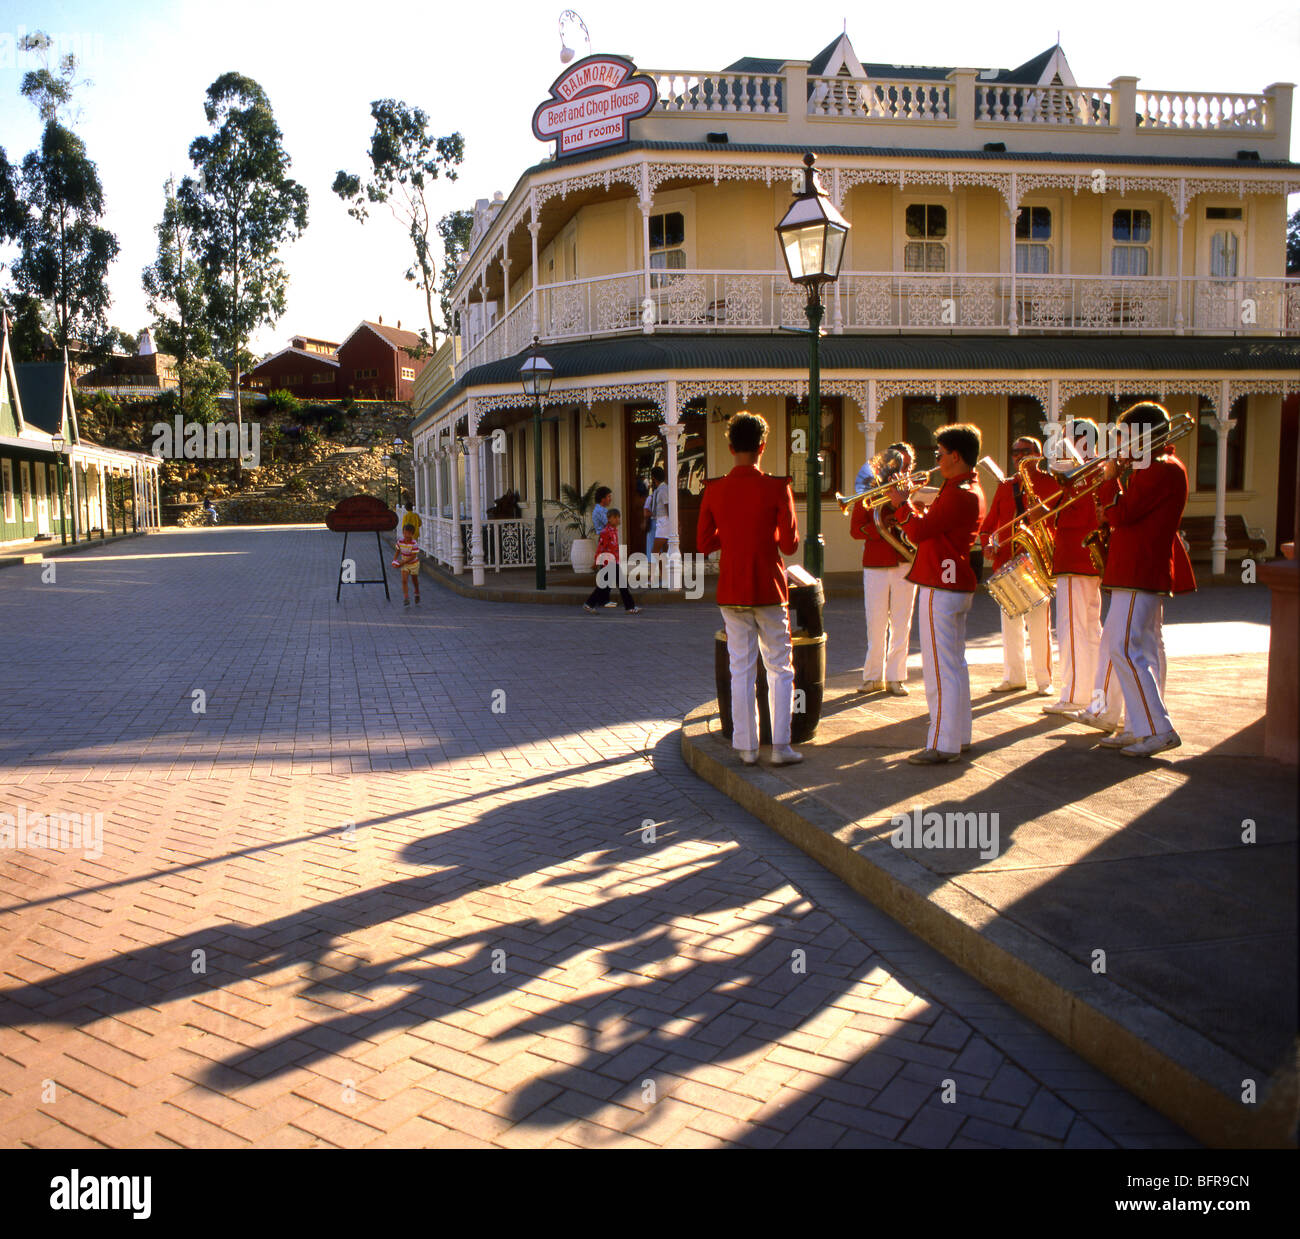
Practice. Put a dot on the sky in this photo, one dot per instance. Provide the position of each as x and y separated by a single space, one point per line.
481 69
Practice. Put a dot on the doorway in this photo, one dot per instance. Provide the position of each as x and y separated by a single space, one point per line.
644 449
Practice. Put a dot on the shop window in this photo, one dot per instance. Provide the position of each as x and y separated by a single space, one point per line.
796 412
1207 448
1130 234
926 225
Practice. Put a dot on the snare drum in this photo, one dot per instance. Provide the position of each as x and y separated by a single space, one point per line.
1019 587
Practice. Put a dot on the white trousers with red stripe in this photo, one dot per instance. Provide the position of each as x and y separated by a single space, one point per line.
888 597
942 618
751 630
1078 636
1131 680
1040 646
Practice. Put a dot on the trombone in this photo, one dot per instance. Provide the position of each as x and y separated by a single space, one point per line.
1154 441
878 495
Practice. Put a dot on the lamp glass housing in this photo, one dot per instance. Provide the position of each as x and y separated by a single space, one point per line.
536 374
812 239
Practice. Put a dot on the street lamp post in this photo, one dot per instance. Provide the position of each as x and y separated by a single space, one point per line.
57 442
536 374
812 242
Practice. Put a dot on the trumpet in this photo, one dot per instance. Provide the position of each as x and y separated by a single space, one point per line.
878 495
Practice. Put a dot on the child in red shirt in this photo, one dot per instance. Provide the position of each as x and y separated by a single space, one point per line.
406 557
607 569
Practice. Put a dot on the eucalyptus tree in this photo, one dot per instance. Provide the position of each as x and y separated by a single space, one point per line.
243 209
174 285
454 228
405 160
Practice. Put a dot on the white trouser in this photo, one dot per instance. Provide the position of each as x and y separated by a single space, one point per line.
749 631
1040 646
887 597
942 621
1078 636
1143 622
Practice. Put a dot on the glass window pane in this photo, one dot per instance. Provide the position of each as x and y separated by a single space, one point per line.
1120 228
676 259
937 220
1042 224
1223 256
674 229
656 232
914 256
936 257
1142 225
1022 224
915 219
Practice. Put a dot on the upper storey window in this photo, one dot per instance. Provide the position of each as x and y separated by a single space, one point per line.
1034 241
668 241
1130 233
927 237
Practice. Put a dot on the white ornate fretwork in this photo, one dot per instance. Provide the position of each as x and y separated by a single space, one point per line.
744 300
871 302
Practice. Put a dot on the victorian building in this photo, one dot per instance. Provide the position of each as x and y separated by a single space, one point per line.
1022 249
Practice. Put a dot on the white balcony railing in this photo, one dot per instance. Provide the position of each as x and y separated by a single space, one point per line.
766 301
506 543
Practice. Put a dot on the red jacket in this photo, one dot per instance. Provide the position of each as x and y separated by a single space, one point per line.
749 515
1146 552
876 552
1005 509
1074 524
944 534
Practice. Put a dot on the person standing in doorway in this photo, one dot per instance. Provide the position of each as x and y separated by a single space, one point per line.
657 540
749 516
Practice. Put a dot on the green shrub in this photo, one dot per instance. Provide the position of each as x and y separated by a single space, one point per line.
284 402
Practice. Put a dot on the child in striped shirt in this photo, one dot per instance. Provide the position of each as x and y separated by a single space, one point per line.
407 558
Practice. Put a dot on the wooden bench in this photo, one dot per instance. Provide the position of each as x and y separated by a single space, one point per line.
1242 544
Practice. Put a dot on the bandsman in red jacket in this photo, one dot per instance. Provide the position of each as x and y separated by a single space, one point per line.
887 595
1009 503
1146 562
943 536
749 516
1078 578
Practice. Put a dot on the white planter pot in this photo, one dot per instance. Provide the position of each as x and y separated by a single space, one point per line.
582 555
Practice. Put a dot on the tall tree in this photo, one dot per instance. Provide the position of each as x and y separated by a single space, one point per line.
61 275
174 284
405 160
65 253
454 229
243 209
1293 244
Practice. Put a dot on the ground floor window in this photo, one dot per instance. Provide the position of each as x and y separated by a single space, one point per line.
1025 416
923 418
832 418
1207 447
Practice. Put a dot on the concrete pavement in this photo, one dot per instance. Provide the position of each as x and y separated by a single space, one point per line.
439 876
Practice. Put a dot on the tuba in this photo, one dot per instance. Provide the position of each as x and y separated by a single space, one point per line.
1036 541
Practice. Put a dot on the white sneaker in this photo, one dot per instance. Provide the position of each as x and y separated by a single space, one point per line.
896 688
1045 691
1061 707
611 603
748 756
1118 740
1150 745
1007 687
784 755
1089 719
873 686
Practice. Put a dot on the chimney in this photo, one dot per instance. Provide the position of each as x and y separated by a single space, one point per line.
381 320
399 324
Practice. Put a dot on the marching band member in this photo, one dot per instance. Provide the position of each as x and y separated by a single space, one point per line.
1146 562
943 535
1078 580
887 595
1010 502
749 516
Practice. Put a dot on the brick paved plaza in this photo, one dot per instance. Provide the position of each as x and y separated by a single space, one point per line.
438 876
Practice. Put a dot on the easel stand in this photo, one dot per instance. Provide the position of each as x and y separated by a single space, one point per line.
381 579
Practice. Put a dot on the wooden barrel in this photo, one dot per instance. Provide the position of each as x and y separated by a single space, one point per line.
809 658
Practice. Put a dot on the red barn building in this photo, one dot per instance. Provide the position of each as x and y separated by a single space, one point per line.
308 368
380 363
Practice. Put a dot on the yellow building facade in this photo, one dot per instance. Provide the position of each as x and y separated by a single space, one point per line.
1023 249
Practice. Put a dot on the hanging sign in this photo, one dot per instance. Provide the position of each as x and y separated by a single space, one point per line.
591 103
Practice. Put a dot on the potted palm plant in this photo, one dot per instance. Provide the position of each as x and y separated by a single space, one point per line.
573 510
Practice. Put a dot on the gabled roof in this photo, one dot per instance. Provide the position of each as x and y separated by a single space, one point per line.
839 52
394 336
301 352
42 388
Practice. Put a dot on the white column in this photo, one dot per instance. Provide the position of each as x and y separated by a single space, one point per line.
671 432
1180 218
647 320
474 463
457 550
534 226
1223 424
1013 213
